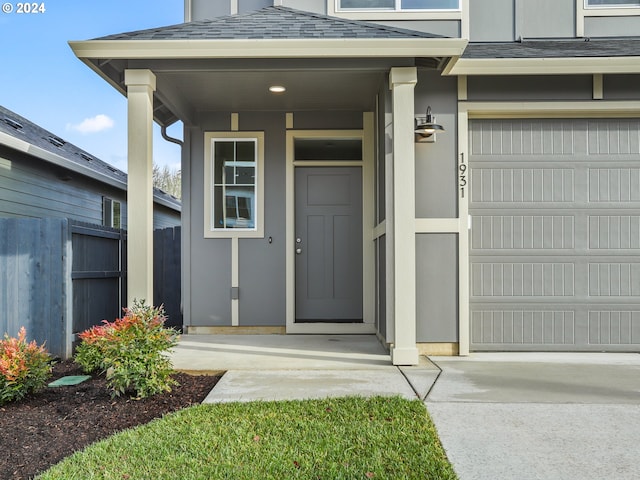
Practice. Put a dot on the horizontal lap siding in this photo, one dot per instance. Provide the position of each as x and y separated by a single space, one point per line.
555 234
28 192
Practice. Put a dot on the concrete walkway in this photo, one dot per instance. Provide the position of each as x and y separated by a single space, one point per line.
279 367
499 416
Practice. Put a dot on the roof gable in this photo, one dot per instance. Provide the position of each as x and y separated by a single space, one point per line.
272 23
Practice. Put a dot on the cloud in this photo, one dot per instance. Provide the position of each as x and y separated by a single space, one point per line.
92 125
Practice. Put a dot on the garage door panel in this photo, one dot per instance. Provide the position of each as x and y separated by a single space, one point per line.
522 185
526 279
523 327
555 235
522 232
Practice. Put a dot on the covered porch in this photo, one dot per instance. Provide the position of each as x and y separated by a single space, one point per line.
215 76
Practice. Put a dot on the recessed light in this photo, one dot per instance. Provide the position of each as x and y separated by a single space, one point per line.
277 89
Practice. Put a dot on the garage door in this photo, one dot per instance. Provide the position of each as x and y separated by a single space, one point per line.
555 235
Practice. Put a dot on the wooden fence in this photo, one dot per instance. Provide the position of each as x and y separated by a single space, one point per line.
59 277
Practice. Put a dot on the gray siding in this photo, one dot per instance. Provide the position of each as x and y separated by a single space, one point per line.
245 6
611 26
436 197
509 20
316 6
210 259
545 18
206 9
262 264
492 21
32 188
522 88
436 287
446 28
621 87
436 193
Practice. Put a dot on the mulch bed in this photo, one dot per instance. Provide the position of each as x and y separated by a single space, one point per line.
42 429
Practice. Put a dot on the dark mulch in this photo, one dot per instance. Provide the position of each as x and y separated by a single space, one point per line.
42 429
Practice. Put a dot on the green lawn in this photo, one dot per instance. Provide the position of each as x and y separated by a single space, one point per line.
345 438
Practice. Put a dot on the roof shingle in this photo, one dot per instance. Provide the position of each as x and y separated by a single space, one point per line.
565 48
271 23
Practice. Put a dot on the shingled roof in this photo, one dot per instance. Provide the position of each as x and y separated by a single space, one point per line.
271 23
578 48
77 160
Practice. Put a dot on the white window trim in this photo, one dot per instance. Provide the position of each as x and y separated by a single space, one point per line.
615 9
258 231
381 14
582 11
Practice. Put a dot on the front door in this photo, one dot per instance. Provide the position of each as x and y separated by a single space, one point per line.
328 243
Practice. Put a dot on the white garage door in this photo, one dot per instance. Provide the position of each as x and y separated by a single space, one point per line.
555 235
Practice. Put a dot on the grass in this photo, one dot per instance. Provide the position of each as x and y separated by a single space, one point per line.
344 438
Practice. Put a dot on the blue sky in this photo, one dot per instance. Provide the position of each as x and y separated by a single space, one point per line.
42 80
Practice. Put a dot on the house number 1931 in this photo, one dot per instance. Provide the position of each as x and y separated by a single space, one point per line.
462 176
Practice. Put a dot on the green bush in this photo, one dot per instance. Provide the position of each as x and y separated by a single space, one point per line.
131 351
24 367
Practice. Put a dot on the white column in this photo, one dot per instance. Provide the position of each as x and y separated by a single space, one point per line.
140 87
402 81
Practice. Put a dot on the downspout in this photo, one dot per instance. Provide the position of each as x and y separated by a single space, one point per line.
163 131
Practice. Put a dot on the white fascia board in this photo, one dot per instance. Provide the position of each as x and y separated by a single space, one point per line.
267 48
543 66
564 109
41 153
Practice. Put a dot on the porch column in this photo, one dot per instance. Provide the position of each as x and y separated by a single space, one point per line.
402 81
140 87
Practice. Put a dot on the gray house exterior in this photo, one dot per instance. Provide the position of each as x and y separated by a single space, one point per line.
44 176
323 209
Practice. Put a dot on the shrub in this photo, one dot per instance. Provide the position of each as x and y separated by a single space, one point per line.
131 351
24 367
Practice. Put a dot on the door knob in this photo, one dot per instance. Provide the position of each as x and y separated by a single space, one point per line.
298 251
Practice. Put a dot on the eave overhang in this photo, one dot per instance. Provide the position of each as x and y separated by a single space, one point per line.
543 66
108 58
268 48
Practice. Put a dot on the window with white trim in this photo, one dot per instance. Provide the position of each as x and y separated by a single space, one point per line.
397 5
233 184
611 3
111 216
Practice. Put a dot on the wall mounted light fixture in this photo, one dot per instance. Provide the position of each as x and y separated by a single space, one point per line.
426 128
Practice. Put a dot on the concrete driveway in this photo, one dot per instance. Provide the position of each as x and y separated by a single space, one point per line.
539 416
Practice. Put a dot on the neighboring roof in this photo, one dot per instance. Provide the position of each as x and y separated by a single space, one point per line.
549 57
21 134
271 23
610 47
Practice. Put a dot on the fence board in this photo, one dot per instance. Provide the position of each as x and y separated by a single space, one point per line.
166 273
31 253
59 277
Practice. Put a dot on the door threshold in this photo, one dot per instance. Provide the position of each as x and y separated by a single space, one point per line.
331 328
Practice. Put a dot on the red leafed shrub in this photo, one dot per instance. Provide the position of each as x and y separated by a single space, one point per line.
24 367
131 351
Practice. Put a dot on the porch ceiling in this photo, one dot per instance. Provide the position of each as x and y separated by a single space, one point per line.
185 88
249 91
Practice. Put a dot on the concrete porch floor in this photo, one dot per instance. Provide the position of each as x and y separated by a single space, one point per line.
281 367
